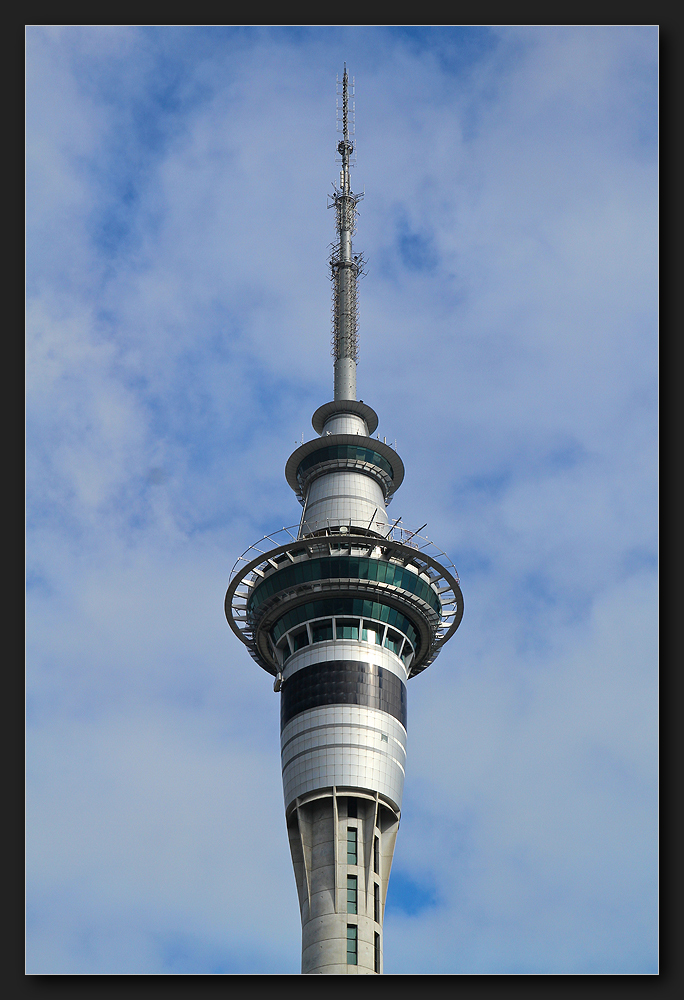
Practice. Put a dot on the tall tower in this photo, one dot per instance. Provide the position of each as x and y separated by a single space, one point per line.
343 610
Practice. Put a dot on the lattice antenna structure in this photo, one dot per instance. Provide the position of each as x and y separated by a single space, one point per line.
346 112
345 267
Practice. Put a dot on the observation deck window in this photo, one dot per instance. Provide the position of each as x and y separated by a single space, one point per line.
393 641
300 639
372 632
346 568
345 452
347 629
346 607
326 613
327 629
322 631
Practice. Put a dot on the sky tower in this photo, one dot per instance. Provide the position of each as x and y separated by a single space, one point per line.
343 610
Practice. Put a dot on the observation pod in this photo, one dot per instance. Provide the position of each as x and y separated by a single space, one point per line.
343 610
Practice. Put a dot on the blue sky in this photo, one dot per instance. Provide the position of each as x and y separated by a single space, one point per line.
178 320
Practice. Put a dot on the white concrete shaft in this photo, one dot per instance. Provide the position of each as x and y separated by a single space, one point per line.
349 745
344 497
319 843
345 423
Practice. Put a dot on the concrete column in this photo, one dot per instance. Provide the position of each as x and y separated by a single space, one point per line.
318 839
345 378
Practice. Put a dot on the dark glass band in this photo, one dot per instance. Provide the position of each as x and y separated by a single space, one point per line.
345 451
343 567
343 682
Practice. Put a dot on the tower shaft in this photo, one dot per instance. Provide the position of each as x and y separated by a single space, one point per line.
342 849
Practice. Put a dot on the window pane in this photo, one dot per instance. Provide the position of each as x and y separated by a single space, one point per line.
347 629
373 613
351 846
372 632
351 893
352 937
320 631
300 639
343 451
393 641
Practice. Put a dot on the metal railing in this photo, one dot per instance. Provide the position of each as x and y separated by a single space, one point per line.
397 533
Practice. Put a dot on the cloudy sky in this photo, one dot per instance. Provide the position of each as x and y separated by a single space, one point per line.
178 343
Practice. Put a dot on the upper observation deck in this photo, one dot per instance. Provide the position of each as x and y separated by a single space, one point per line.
401 571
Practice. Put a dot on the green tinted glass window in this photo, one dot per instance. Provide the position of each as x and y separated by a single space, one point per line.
372 632
393 641
352 893
344 451
345 568
300 639
347 629
347 606
352 944
320 631
352 854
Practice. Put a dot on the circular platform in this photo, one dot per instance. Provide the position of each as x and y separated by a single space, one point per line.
356 406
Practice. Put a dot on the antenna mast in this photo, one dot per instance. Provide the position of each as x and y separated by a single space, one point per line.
346 268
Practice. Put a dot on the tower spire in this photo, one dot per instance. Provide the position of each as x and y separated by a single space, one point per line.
345 267
345 147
